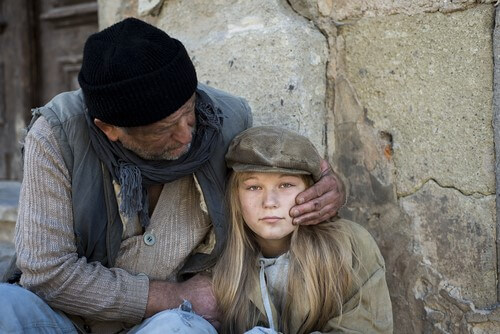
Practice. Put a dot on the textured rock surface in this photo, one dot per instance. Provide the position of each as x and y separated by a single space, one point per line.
421 179
149 7
6 253
456 237
341 10
431 91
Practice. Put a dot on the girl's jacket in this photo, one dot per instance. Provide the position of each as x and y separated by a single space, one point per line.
367 306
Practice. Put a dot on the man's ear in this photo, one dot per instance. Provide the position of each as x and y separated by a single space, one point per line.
111 131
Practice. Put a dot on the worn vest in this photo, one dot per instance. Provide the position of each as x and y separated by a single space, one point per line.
97 223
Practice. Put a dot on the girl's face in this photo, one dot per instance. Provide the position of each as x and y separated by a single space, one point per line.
266 199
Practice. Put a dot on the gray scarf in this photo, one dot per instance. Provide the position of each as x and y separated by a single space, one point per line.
134 174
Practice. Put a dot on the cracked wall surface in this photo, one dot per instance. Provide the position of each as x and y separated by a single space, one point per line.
456 237
345 11
432 92
411 115
427 80
399 95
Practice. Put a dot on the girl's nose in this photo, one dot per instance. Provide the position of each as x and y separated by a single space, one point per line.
270 199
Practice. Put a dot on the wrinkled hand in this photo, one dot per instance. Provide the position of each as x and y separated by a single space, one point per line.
198 290
321 201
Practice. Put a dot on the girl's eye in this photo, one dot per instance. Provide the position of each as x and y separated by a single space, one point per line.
286 185
253 188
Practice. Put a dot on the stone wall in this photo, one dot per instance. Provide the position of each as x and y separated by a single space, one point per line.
9 195
399 95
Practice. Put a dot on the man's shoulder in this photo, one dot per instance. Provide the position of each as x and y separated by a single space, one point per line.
216 93
227 102
68 104
236 112
62 120
62 108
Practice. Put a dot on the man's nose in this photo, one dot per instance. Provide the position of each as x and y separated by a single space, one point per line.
183 131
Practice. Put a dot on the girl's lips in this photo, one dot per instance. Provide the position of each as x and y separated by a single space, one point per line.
272 219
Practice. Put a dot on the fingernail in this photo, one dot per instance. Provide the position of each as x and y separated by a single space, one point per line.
300 200
295 212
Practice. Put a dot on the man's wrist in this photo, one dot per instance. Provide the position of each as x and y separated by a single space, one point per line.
162 296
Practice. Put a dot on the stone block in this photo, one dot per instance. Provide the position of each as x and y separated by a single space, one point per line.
346 10
427 81
149 7
261 50
9 198
455 235
113 11
6 252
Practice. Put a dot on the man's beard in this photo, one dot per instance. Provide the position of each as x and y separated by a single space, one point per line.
147 155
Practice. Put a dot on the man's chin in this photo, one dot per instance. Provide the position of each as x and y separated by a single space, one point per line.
173 155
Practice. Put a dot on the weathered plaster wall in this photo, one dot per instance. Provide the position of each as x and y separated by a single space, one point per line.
432 93
412 132
399 94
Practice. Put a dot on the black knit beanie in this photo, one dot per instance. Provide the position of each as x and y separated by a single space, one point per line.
134 74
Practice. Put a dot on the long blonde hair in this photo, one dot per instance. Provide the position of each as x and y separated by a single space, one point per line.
320 272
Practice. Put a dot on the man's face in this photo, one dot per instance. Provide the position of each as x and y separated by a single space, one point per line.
167 139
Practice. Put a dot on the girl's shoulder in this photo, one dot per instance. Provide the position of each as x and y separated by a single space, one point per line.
364 247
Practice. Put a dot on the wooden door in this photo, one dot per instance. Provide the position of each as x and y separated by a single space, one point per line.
63 26
41 44
16 80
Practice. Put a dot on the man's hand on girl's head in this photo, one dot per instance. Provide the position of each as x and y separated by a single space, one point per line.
321 201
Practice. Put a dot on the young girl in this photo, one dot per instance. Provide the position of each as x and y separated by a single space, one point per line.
277 277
